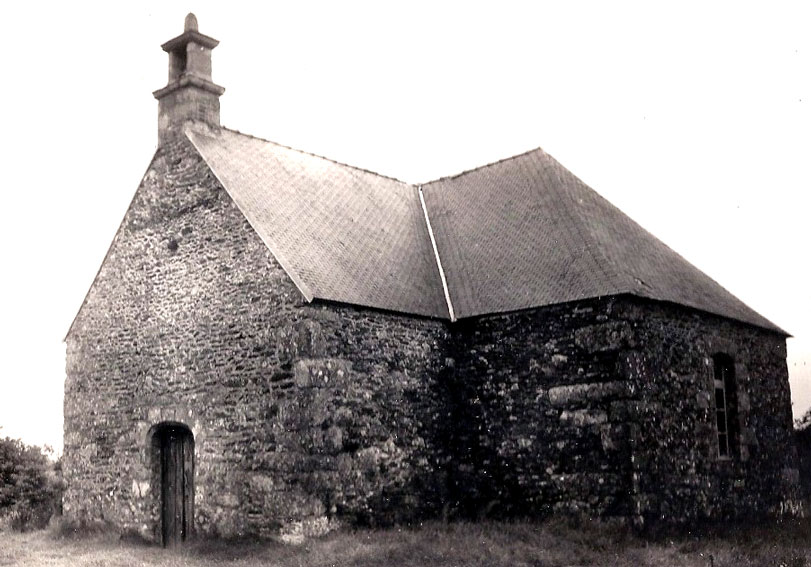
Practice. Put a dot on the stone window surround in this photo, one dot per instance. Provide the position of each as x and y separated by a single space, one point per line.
725 406
719 345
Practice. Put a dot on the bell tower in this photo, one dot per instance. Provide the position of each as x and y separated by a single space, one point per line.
190 95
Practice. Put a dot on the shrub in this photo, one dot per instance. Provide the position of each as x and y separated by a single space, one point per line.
802 440
30 485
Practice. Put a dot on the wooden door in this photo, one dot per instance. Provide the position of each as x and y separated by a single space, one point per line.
177 485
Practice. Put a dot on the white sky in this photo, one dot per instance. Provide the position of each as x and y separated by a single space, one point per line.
693 119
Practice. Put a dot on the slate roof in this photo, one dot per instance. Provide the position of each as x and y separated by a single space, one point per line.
525 232
341 233
520 233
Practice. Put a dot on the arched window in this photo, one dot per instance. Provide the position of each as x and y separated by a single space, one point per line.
725 404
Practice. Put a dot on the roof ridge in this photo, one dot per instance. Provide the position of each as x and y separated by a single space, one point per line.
480 167
384 176
355 167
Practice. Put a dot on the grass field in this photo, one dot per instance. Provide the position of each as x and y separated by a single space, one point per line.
491 543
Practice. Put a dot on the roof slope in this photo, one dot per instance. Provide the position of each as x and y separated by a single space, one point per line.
516 234
525 232
341 233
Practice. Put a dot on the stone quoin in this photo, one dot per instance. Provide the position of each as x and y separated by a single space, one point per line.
277 344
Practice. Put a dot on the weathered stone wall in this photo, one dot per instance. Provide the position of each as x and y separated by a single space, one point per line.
678 474
301 413
184 105
358 419
606 408
538 390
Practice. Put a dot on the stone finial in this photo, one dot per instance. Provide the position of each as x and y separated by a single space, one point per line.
191 23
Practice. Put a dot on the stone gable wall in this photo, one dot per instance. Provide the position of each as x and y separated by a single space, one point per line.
301 414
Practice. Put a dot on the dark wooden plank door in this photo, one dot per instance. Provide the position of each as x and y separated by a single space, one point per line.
177 490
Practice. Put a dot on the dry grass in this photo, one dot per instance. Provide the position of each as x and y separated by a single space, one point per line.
490 543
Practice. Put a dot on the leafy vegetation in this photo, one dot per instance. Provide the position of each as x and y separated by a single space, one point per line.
803 422
30 485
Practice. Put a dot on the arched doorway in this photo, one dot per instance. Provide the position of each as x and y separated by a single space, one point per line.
175 444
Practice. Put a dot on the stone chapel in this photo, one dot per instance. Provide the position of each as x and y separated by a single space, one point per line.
277 343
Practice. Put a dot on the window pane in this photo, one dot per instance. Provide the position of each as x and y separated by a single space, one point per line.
723 445
720 399
721 421
725 403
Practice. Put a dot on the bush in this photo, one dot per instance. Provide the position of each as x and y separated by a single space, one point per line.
802 440
30 485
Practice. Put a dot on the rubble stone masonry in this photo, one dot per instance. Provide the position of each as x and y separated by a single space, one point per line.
305 415
606 408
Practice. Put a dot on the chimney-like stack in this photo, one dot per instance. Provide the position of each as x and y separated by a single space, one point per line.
190 95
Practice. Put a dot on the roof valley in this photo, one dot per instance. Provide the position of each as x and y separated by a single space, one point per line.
436 255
